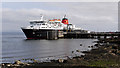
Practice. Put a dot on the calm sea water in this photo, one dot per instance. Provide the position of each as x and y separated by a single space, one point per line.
16 47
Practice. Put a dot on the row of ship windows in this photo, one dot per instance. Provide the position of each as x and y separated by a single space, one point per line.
43 27
40 24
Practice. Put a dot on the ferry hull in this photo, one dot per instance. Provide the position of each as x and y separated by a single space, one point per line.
39 33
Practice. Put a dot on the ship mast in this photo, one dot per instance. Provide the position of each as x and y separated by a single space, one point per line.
41 17
64 16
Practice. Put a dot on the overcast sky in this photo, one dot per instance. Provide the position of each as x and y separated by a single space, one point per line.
93 16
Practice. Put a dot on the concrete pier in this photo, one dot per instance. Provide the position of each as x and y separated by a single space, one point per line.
96 35
54 35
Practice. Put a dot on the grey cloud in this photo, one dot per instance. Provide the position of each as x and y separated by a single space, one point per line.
90 16
14 19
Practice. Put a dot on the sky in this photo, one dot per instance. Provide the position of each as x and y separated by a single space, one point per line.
93 16
60 0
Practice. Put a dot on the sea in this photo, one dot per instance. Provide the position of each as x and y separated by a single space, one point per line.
15 46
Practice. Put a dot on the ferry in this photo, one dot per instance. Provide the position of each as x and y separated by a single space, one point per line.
38 29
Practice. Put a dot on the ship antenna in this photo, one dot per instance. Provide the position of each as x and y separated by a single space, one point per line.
64 15
41 18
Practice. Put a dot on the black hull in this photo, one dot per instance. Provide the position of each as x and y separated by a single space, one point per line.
40 34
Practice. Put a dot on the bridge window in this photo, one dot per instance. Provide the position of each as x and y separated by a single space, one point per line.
43 24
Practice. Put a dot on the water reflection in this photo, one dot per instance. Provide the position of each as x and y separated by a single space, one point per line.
16 48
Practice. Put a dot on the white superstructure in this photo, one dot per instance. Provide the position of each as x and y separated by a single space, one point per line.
55 24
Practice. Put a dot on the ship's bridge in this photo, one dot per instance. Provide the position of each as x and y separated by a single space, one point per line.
55 22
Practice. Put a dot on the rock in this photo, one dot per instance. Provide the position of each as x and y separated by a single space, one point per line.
105 54
88 46
108 43
8 65
110 51
31 59
3 64
105 48
18 62
16 65
54 60
85 51
91 46
113 54
118 52
28 64
96 45
80 44
82 55
60 60
115 47
77 50
114 51
72 51
35 61
110 46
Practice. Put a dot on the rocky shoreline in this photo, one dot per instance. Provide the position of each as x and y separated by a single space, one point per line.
106 55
